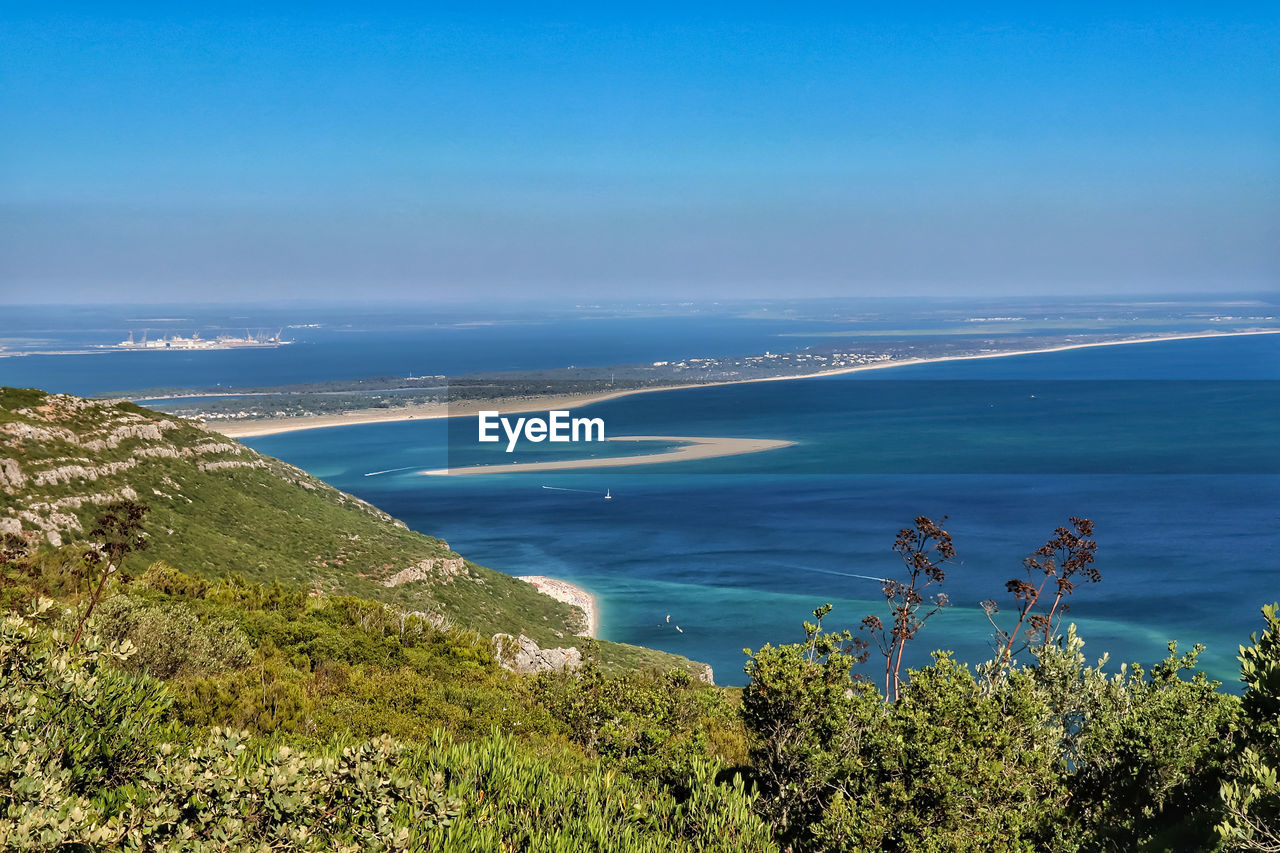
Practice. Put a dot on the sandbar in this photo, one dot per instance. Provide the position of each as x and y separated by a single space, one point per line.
691 447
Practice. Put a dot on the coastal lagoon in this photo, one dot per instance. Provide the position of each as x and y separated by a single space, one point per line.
1168 447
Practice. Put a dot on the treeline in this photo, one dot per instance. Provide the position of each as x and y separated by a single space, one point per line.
229 715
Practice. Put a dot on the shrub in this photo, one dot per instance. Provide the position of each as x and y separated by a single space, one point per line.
653 725
1144 751
1251 795
83 769
954 764
169 641
73 727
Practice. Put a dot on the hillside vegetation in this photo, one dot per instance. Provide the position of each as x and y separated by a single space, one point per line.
218 508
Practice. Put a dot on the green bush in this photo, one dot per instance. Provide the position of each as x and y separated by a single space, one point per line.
170 641
1251 795
1144 751
73 727
954 764
84 768
653 725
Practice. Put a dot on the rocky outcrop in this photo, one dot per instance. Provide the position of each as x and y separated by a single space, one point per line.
67 473
59 407
162 452
146 430
41 435
49 526
223 464
76 501
707 676
214 447
432 568
523 655
11 477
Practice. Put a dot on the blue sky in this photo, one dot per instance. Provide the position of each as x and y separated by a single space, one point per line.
490 151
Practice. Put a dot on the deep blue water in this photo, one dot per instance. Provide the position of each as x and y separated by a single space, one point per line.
1170 448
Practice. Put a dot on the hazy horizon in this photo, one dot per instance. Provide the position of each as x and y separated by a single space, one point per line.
647 153
710 304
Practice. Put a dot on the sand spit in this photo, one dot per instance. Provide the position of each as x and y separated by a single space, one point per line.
692 447
272 426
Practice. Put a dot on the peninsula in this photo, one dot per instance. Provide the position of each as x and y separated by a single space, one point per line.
446 402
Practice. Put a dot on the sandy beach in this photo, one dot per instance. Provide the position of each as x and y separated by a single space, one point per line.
512 405
692 447
272 426
569 594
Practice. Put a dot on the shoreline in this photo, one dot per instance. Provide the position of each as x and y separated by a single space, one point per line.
425 412
693 447
275 426
568 593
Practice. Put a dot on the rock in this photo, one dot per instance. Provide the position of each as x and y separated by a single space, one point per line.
67 473
439 568
162 452
707 676
522 655
143 429
223 464
11 477
40 435
214 447
76 501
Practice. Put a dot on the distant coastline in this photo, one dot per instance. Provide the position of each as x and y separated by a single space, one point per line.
274 426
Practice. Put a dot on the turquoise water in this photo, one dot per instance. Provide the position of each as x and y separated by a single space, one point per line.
1170 448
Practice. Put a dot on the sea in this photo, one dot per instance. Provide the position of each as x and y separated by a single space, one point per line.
1169 448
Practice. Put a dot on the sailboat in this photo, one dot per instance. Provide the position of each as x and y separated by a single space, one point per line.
608 495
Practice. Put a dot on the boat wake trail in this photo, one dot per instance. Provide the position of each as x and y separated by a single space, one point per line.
844 574
390 470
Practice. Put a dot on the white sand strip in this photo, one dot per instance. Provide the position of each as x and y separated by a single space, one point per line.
569 594
690 449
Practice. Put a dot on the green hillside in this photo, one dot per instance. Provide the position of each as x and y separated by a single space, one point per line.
219 508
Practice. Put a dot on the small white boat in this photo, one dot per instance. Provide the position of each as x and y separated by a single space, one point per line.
678 628
608 495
